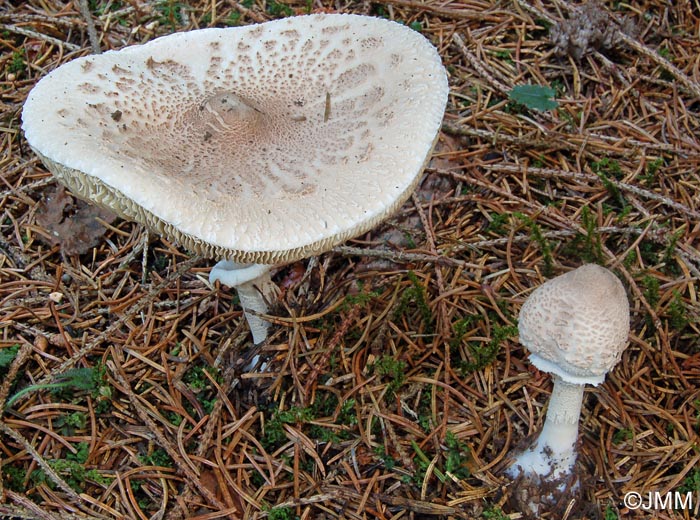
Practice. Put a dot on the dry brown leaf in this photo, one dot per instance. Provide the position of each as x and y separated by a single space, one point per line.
71 223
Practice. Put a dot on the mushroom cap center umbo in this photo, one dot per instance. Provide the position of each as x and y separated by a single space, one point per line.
576 325
289 135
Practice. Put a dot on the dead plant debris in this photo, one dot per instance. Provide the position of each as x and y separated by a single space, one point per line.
395 386
589 27
71 223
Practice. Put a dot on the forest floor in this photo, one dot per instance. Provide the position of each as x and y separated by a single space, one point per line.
395 384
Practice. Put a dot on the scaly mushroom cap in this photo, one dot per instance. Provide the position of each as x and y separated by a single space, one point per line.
576 325
264 143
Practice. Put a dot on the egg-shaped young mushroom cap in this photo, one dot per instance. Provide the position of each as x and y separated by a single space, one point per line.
576 325
264 143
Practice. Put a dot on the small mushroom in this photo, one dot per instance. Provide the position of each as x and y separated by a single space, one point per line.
575 327
259 145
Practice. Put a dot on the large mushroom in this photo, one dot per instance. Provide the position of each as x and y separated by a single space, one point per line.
257 145
576 327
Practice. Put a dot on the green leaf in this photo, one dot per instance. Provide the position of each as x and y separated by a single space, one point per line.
534 97
77 378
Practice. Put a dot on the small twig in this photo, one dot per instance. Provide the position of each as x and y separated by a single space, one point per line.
39 36
549 173
92 32
401 257
478 67
688 83
33 18
553 140
248 12
9 378
26 510
407 504
465 13
143 246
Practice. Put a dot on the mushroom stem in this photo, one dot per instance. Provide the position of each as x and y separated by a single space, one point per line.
554 453
255 290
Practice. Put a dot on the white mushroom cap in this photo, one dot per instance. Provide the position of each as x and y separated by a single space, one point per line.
264 143
576 325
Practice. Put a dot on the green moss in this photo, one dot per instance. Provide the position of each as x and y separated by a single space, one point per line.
170 13
100 7
416 26
392 369
362 299
483 354
17 64
281 513
504 55
652 295
649 177
592 250
670 249
174 418
494 513
678 314
691 483
326 405
457 456
13 478
497 223
72 470
610 513
274 434
82 452
609 167
696 405
622 435
69 422
233 20
544 247
415 294
158 457
389 462
196 378
606 169
278 9
651 290
461 327
7 356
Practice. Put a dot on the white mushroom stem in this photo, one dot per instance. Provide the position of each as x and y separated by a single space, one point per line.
554 454
255 290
